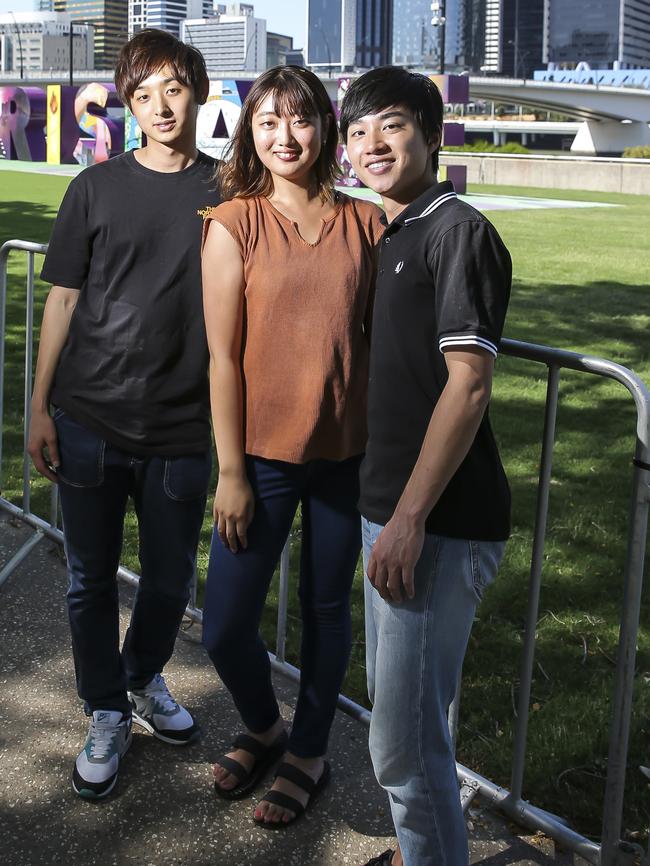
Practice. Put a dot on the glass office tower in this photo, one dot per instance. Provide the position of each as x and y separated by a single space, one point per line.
598 32
108 17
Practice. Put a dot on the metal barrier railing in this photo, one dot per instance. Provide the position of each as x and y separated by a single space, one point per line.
612 851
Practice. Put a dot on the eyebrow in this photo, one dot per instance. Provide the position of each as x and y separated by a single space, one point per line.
383 116
165 81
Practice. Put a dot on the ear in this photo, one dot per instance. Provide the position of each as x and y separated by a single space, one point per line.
202 93
435 142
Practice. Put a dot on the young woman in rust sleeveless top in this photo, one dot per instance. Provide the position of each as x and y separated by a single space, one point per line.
287 274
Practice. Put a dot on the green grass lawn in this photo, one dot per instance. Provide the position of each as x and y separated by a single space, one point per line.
581 283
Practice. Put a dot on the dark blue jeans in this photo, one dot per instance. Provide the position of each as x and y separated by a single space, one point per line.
238 584
95 482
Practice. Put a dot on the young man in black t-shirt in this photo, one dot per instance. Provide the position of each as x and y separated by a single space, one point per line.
434 496
123 362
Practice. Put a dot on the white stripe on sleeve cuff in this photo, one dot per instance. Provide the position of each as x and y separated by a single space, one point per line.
467 340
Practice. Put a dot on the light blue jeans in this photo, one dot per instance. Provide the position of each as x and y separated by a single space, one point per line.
414 657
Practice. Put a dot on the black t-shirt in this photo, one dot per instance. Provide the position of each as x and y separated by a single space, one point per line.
135 365
443 282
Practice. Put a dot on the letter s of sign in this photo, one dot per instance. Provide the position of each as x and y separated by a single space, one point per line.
90 108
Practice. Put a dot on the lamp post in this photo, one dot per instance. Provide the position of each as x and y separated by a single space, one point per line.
20 44
72 23
438 19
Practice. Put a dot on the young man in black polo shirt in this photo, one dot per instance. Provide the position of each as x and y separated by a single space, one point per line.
123 361
434 496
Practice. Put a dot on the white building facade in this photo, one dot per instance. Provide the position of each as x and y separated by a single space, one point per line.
166 14
231 42
40 41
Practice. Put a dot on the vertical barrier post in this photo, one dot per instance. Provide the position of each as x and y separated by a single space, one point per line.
528 657
29 345
283 603
625 662
4 255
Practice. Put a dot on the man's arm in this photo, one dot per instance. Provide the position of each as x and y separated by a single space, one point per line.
451 431
59 308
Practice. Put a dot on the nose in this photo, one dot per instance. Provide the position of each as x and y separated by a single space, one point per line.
161 106
374 142
284 132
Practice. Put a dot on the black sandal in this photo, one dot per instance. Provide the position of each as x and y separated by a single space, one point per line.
265 758
278 798
384 859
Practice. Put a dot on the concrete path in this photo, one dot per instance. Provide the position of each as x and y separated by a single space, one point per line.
163 811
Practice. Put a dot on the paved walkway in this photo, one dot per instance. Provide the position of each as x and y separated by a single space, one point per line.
163 811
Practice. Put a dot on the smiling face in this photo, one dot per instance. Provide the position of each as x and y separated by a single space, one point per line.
165 109
390 155
287 145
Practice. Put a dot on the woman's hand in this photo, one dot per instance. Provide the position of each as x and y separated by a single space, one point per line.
234 505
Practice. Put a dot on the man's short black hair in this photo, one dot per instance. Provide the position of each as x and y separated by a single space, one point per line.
391 85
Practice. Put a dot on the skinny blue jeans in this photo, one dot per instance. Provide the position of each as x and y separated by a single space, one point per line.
414 657
238 583
169 493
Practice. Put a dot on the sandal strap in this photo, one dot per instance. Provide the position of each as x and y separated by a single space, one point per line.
234 767
278 798
293 774
251 745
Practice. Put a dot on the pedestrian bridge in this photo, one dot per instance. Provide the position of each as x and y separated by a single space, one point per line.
613 117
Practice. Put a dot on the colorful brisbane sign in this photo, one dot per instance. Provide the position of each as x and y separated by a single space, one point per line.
88 124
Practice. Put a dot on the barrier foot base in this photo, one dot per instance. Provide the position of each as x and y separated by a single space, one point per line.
468 790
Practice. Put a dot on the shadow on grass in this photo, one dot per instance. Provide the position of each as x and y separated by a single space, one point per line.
26 221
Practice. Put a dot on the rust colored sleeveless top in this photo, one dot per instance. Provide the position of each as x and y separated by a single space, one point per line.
305 343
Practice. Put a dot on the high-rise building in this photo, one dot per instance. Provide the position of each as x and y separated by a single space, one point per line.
277 48
416 33
472 35
331 34
601 34
109 19
523 37
374 34
166 14
229 43
415 41
35 41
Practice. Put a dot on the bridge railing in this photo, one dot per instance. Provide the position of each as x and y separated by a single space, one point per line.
612 851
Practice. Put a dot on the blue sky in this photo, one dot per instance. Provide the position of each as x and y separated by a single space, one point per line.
281 16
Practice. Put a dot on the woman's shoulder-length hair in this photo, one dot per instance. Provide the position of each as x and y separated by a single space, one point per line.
296 92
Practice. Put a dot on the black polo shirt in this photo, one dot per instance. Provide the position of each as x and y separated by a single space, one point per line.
443 282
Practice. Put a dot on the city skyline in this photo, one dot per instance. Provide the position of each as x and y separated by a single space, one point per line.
280 16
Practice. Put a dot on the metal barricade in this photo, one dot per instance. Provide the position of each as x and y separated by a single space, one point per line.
612 851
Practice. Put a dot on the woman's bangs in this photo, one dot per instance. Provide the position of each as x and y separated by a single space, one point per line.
294 99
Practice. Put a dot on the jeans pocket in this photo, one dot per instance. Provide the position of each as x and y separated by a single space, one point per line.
485 557
188 477
81 452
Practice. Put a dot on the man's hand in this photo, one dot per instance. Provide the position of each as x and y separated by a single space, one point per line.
42 438
394 556
234 505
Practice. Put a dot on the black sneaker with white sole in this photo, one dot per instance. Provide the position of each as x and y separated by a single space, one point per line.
95 770
156 710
